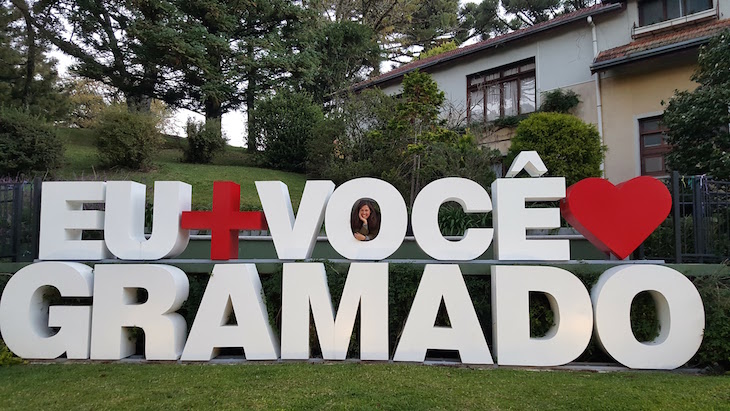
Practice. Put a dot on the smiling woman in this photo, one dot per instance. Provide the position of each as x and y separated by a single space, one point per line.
365 220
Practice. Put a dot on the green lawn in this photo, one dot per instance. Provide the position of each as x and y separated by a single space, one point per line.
232 165
351 385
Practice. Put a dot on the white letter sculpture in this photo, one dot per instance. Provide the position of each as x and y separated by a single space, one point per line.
63 220
472 197
25 318
443 282
393 219
116 309
294 238
679 308
124 221
569 301
232 288
305 285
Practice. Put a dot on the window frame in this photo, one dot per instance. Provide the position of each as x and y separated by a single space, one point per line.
682 12
651 152
483 86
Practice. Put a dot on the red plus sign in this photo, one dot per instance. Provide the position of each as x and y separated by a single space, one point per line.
225 221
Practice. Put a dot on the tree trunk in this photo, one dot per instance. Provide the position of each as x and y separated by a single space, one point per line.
213 112
32 50
137 103
251 132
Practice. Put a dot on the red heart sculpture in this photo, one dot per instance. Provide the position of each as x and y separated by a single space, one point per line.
616 219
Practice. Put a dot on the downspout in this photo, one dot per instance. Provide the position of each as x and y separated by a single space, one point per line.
596 78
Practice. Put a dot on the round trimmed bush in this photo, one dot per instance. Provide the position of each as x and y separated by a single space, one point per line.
27 143
568 146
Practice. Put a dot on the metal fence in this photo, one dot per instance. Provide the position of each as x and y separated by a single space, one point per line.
19 220
698 228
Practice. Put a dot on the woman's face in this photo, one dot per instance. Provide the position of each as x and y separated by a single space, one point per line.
364 211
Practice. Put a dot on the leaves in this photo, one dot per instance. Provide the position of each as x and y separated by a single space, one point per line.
698 120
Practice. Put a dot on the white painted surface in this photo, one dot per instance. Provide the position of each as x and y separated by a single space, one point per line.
294 238
569 301
472 198
232 288
124 220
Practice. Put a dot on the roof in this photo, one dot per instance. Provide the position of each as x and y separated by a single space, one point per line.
489 43
664 43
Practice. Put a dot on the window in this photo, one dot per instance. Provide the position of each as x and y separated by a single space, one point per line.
506 91
655 11
653 146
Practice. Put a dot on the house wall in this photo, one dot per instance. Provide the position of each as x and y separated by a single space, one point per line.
632 93
562 56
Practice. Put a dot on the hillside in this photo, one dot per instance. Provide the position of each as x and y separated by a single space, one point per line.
235 164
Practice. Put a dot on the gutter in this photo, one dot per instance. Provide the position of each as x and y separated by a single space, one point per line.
508 38
670 48
599 105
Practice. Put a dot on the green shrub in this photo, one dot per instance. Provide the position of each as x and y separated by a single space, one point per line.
6 357
559 101
127 139
286 122
27 143
205 140
568 146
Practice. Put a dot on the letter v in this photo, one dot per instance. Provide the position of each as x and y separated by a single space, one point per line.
294 238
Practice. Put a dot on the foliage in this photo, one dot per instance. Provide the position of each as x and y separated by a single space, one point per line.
454 221
7 358
344 52
343 146
435 51
286 121
698 120
559 101
483 20
529 12
88 98
400 140
715 348
568 146
28 76
112 42
127 139
27 143
205 140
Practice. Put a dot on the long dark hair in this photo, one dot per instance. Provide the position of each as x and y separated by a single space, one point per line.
373 220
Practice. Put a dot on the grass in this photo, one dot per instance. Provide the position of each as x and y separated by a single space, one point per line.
233 165
348 385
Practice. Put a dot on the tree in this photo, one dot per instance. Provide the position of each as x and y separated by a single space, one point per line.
344 52
28 75
109 39
483 20
287 120
529 12
698 120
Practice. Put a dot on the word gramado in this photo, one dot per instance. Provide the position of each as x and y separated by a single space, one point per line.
102 331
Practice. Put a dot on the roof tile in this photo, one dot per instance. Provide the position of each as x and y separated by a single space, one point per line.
664 39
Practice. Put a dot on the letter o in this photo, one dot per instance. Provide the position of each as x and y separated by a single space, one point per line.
679 308
393 219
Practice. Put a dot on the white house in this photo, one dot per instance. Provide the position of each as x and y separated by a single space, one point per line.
607 54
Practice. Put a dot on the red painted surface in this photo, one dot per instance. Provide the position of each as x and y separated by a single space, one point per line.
224 221
616 219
